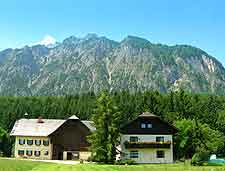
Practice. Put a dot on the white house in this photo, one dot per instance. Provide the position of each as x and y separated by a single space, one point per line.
147 139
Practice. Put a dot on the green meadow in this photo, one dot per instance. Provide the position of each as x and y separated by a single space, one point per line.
24 165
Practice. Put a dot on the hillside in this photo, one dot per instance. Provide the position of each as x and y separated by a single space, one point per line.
94 63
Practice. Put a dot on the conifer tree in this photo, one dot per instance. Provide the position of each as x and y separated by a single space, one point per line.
107 122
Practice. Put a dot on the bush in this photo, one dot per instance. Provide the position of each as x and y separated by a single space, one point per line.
200 158
214 164
89 159
92 159
81 161
125 162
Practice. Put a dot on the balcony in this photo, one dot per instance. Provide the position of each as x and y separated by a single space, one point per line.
129 144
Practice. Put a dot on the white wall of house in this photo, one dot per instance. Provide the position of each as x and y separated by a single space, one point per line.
84 155
148 155
42 148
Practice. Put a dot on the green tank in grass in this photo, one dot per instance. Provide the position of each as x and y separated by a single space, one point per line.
214 161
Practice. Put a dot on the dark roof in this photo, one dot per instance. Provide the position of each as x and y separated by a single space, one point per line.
150 116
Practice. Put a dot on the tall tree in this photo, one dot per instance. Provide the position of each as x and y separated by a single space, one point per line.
107 122
5 143
194 137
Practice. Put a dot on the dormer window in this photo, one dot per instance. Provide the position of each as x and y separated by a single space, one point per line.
149 125
146 125
143 125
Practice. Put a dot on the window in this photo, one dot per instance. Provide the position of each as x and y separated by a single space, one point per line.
21 141
38 142
160 154
146 125
46 153
133 139
29 152
159 139
29 142
149 125
37 153
133 154
20 152
143 125
45 142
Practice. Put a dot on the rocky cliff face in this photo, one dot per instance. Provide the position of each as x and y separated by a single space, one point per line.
95 63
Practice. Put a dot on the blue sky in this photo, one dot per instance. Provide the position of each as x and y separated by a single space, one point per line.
200 23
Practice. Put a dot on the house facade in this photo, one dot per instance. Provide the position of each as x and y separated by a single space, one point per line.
50 139
147 139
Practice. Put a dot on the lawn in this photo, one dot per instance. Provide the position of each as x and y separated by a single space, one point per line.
22 165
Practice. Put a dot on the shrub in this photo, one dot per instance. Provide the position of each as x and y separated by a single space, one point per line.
214 164
125 162
200 158
81 161
89 159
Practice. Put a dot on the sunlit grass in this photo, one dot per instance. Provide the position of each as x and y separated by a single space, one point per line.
24 165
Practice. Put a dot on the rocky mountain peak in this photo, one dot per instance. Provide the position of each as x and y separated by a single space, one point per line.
95 63
91 36
70 40
135 42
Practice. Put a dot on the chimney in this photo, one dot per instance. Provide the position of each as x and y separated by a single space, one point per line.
26 115
40 120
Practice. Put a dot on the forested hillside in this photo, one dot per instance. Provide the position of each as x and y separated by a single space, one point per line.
200 118
205 108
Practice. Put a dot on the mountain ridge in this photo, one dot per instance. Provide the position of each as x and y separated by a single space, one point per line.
93 63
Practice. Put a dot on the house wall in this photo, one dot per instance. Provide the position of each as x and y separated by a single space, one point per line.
85 155
148 155
33 147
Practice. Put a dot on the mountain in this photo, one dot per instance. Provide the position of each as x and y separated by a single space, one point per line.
94 63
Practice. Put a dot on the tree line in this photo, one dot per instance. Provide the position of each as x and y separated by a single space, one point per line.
199 118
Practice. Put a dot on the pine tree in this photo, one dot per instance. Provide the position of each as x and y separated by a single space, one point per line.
171 102
107 122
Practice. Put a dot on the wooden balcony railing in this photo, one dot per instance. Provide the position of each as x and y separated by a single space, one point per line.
129 144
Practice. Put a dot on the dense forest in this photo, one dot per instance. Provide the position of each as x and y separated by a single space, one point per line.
200 118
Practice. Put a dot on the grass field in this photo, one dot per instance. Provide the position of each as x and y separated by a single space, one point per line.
22 165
